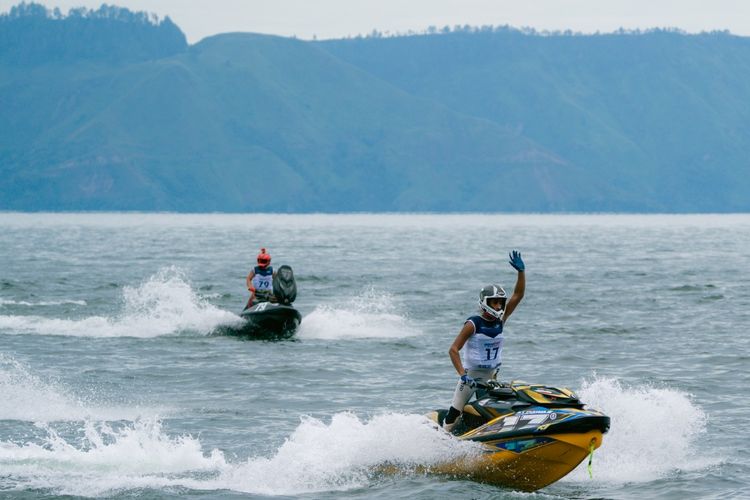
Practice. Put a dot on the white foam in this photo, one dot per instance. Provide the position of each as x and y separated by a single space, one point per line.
162 305
107 459
41 303
27 397
368 315
654 432
317 457
341 455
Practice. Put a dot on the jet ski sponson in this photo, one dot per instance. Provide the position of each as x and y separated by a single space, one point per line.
269 320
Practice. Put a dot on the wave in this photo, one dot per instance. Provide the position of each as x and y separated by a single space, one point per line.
105 459
27 397
107 449
4 302
654 432
347 453
370 314
164 304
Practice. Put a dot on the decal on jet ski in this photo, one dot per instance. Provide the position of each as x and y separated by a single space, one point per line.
521 445
523 420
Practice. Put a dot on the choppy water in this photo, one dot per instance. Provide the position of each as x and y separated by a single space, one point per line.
113 385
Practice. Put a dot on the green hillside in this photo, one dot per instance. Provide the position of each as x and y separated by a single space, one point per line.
661 115
491 121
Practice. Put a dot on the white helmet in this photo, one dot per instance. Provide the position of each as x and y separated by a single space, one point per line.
492 292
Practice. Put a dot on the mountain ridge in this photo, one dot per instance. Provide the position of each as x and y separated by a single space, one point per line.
499 121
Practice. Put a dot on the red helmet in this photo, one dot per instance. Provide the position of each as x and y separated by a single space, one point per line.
264 259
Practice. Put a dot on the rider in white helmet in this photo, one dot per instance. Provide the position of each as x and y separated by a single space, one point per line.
482 337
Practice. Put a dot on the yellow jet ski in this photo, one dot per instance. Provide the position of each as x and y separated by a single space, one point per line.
531 435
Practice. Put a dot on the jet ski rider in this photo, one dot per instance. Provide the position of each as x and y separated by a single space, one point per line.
260 280
482 336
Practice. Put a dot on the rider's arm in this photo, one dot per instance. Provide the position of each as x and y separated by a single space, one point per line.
518 292
466 332
249 280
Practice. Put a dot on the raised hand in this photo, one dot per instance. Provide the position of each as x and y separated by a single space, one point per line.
516 261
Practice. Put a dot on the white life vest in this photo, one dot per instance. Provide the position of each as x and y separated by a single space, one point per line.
484 348
263 280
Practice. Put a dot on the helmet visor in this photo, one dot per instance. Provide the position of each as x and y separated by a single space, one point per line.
496 303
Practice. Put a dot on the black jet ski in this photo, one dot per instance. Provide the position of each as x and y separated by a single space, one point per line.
275 319
531 435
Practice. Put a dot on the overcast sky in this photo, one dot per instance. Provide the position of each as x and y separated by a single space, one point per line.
339 18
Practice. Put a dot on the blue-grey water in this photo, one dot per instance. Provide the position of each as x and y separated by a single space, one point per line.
113 382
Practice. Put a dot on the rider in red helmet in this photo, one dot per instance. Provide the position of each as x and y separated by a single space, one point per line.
260 280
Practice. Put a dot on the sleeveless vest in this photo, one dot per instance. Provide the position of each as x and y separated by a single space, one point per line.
484 348
263 282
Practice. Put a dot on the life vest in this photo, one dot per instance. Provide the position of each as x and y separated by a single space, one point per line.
484 348
263 282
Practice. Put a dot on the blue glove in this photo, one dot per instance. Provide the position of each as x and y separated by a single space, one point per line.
466 380
516 261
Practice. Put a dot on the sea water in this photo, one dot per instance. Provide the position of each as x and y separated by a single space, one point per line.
114 383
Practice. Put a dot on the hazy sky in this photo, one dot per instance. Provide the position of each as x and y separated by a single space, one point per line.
339 18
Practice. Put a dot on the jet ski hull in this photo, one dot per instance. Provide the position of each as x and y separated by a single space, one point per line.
267 320
531 436
525 463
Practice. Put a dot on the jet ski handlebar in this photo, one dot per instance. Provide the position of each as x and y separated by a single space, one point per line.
495 389
491 384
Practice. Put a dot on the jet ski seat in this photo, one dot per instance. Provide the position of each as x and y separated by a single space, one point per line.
284 285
